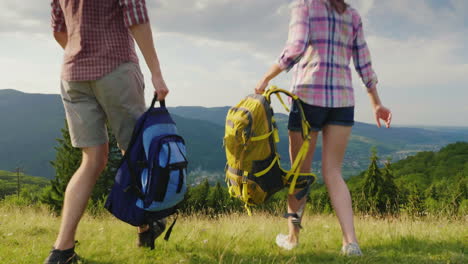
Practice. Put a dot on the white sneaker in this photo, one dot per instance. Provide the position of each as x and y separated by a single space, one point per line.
282 241
350 250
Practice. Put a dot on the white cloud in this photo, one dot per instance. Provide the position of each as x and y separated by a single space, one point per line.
364 6
213 51
27 18
418 62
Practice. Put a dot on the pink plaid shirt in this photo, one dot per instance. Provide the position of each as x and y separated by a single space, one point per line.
320 46
98 36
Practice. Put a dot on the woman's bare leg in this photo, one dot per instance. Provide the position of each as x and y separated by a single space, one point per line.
294 205
335 140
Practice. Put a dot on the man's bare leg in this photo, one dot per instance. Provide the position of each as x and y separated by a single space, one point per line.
78 192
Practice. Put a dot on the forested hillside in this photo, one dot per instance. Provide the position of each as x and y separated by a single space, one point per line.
433 183
428 182
27 184
31 123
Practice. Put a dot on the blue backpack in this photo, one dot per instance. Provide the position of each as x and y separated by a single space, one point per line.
151 179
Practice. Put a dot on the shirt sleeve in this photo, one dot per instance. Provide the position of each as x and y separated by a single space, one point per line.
298 35
362 57
57 17
135 12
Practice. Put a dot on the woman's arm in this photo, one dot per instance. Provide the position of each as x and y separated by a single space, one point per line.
295 47
271 74
363 64
380 111
361 55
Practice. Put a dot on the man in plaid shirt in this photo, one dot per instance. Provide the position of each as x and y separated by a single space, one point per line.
101 82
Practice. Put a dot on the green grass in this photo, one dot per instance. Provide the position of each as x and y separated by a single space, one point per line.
26 235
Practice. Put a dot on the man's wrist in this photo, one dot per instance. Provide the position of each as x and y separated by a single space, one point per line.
156 74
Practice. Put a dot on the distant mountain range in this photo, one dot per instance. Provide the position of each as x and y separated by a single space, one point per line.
30 124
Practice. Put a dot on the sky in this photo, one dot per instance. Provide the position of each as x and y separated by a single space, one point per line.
213 53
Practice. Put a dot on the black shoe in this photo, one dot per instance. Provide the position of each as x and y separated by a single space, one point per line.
156 228
67 256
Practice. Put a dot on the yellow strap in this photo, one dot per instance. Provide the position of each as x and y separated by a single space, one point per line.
296 164
305 129
276 136
265 171
245 198
296 168
275 89
245 194
262 137
275 130
231 191
247 207
282 102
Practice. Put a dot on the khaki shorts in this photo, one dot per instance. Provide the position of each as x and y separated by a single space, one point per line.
118 98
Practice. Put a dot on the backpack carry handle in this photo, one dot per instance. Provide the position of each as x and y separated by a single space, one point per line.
155 98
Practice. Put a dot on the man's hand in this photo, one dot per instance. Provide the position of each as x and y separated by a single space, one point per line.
61 38
160 88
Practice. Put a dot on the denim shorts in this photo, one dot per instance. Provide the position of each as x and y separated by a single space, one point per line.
318 117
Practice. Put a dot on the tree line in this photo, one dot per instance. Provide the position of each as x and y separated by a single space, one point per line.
434 183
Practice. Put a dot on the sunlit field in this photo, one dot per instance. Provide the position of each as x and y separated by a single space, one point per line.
27 235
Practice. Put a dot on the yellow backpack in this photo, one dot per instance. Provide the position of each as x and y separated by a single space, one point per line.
253 170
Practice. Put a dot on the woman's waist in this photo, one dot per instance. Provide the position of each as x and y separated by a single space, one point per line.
325 95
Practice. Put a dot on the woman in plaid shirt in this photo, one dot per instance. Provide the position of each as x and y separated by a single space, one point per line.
323 37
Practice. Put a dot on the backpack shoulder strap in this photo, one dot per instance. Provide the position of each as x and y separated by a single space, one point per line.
296 100
293 175
136 132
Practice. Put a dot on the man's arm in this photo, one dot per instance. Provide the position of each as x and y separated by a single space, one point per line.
144 38
58 24
137 20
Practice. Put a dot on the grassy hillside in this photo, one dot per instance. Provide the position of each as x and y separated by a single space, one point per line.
28 233
9 183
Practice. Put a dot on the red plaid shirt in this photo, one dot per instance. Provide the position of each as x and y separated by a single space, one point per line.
98 36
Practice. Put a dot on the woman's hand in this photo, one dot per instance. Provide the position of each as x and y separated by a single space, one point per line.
261 86
270 75
381 112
